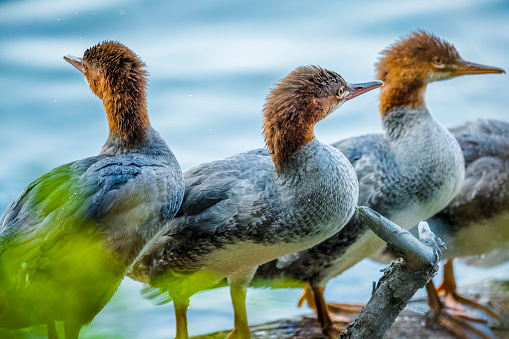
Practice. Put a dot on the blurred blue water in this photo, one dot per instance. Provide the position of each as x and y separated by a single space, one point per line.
211 64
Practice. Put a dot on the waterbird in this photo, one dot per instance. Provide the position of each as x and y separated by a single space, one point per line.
407 174
253 207
69 238
474 223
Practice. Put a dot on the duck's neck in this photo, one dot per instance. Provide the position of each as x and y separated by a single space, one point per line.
405 122
126 109
129 125
319 190
284 135
151 144
407 90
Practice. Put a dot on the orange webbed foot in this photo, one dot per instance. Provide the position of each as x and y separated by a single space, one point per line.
464 323
345 308
457 302
332 324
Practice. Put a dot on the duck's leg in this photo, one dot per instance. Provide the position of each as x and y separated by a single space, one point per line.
181 317
72 329
453 299
241 327
461 325
329 327
52 330
309 296
238 286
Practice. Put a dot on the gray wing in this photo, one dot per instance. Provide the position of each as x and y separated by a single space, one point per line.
54 193
485 191
482 138
224 201
77 229
369 155
137 195
96 194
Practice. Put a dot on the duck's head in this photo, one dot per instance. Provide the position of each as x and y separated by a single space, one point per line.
426 56
118 77
298 102
417 59
110 65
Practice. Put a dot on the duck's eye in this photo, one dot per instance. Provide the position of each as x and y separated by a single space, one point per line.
438 62
340 92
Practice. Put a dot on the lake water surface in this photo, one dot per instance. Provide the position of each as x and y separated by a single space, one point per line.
211 64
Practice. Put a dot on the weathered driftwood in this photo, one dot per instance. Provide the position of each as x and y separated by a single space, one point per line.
401 279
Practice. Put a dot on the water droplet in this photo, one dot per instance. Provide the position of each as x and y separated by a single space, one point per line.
58 19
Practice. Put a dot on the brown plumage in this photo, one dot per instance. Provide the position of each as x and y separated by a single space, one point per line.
295 105
408 65
67 241
118 77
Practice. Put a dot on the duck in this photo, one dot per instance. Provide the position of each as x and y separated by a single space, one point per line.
68 240
407 174
474 223
253 207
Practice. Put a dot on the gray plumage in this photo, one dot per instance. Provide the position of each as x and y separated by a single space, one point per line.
477 220
237 213
251 208
67 240
407 175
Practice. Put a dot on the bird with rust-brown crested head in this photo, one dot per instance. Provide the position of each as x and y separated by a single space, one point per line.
301 99
407 66
255 216
118 77
73 234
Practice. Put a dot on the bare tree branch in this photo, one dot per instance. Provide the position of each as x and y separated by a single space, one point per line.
401 279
